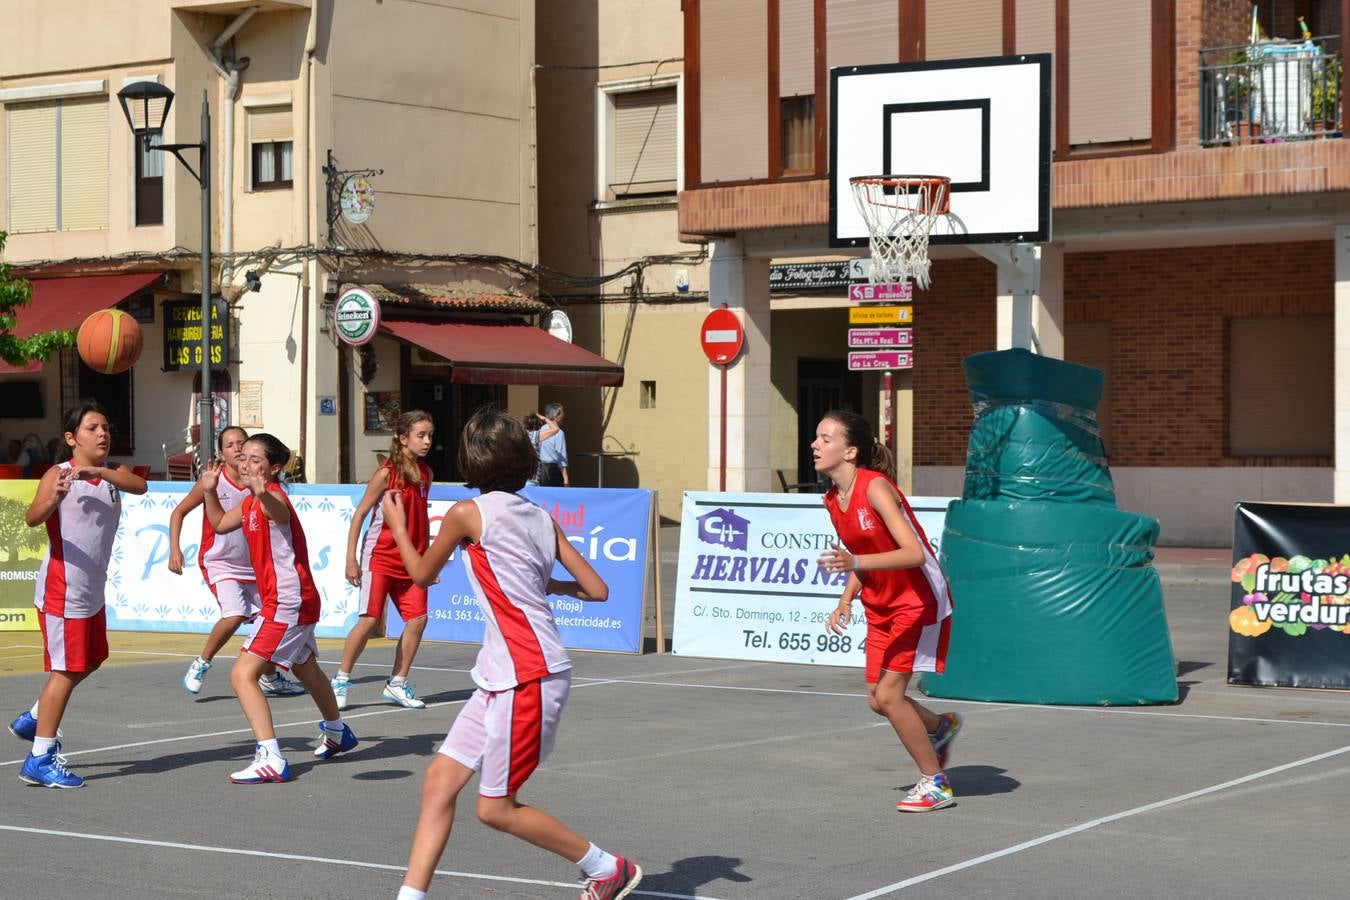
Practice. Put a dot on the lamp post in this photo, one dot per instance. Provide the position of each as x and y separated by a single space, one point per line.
146 106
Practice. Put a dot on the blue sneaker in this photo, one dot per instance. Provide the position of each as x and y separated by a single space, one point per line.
263 770
24 727
49 770
335 742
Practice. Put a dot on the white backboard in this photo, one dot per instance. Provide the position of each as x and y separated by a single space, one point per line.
984 123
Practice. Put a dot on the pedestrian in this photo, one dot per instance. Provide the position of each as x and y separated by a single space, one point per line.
284 632
523 674
553 448
904 594
379 571
80 503
225 567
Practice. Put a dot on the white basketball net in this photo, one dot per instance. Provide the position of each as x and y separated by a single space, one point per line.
900 212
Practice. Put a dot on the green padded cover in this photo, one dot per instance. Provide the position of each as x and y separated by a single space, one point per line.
1055 595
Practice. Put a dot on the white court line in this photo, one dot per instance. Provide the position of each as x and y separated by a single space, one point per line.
1104 820
174 845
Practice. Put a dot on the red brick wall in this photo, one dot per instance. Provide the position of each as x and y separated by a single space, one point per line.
1168 311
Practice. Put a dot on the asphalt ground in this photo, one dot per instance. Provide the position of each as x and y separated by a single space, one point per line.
723 779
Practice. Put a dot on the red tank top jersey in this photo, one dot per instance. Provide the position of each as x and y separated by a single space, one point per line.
280 563
379 553
224 557
886 592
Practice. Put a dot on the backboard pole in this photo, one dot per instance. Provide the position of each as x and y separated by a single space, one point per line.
1019 281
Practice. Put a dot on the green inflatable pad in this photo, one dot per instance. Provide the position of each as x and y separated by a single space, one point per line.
1055 595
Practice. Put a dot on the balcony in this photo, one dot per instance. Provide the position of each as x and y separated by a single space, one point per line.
1271 92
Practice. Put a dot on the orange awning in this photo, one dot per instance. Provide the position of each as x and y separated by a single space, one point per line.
60 304
508 354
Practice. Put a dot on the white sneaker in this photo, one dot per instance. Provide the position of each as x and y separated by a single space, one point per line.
196 674
340 686
403 694
264 768
280 686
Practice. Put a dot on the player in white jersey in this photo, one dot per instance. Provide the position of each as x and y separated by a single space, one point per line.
225 565
523 673
80 503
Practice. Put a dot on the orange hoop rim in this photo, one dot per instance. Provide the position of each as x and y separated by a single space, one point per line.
910 183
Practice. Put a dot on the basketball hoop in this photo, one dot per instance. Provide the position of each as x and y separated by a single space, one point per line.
900 211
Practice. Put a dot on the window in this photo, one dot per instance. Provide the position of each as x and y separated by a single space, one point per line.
796 86
797 134
113 392
647 398
269 135
149 181
58 165
643 139
1280 384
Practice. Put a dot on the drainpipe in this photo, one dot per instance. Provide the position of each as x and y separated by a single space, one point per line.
305 157
230 71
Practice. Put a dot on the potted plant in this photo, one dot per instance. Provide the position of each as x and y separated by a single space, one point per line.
1325 90
1240 95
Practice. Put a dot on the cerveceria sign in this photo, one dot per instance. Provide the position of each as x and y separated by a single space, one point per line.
356 316
183 334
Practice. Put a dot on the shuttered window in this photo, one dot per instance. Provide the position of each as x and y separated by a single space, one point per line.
960 30
644 142
270 137
1035 26
1280 386
269 124
1110 72
796 48
32 167
58 165
733 84
861 32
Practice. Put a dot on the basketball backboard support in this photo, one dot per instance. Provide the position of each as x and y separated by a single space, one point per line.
984 123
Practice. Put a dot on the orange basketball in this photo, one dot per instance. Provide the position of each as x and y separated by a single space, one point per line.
109 341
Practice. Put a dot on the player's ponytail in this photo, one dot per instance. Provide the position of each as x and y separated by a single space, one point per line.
403 462
872 454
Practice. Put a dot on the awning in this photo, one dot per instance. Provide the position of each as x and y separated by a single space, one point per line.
508 354
61 304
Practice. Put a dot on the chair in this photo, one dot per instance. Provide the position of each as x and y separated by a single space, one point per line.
796 486
142 471
11 470
180 463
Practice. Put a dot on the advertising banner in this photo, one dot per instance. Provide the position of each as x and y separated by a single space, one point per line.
21 550
1289 623
609 527
748 586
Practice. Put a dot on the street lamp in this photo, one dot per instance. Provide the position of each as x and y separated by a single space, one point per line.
146 106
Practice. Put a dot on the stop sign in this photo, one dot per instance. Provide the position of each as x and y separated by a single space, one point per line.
721 336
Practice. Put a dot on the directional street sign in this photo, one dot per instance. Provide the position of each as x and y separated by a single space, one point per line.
862 361
881 315
892 291
881 337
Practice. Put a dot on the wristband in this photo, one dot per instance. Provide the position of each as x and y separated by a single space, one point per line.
856 563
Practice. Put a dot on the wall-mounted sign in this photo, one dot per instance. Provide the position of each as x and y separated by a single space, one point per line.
183 334
881 315
864 361
357 199
557 324
356 316
811 276
881 337
884 292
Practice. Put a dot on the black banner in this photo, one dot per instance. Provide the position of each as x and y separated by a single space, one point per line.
810 276
1289 619
183 334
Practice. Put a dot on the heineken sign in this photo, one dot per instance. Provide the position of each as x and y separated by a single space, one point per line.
356 316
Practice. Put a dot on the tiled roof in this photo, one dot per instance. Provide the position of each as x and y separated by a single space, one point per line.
442 296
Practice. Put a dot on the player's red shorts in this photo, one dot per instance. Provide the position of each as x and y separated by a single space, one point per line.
908 642
409 599
74 645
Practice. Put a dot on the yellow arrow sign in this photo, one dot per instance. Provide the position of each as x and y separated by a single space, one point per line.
881 315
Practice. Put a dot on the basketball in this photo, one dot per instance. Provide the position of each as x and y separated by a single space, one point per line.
109 341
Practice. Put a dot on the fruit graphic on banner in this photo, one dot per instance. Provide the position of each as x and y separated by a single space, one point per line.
109 341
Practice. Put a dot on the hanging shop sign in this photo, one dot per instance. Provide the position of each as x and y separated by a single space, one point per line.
357 200
557 324
183 334
811 276
356 316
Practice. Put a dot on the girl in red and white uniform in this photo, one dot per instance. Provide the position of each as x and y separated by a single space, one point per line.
523 673
80 503
904 594
225 566
284 631
379 571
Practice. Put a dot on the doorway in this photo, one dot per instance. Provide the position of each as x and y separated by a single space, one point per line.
822 385
450 406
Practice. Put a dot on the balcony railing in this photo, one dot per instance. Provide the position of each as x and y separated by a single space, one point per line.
1272 91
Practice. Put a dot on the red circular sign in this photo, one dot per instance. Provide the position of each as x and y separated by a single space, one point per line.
721 336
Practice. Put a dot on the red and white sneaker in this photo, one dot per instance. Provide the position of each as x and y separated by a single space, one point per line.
264 769
626 877
932 792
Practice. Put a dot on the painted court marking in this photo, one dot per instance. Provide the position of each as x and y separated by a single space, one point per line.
384 867
1086 826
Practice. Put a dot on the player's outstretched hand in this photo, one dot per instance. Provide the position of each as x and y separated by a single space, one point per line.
211 475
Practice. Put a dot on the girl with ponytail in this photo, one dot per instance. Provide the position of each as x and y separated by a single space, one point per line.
379 571
904 594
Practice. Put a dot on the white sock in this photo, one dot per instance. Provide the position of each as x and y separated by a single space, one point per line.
397 681
597 863
343 676
333 725
33 712
407 893
271 747
42 746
